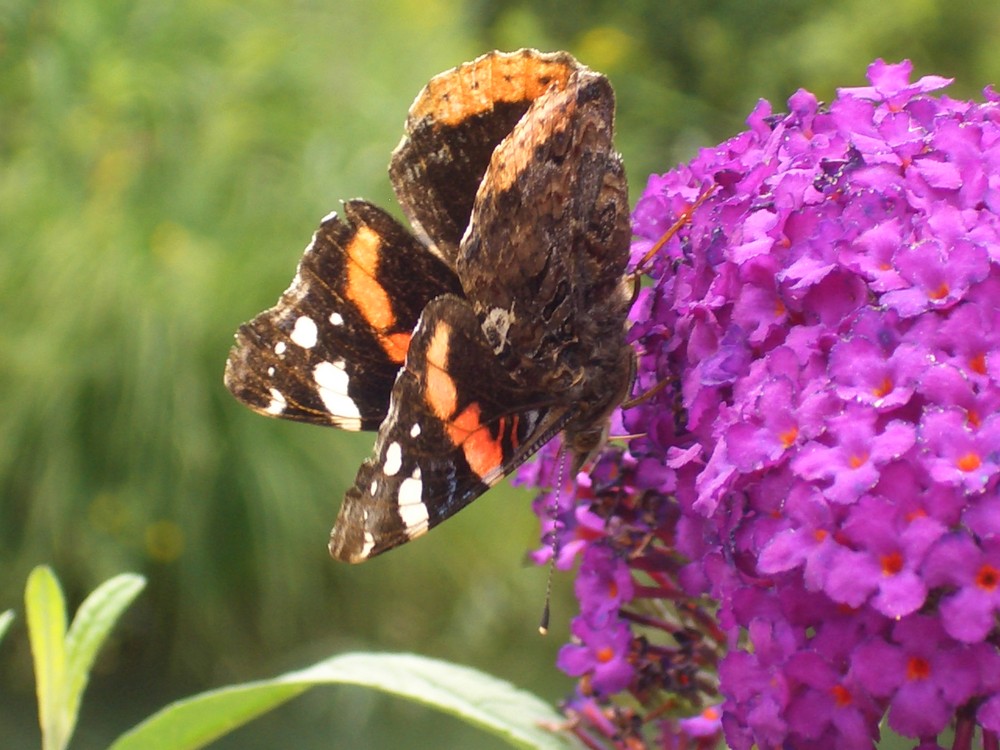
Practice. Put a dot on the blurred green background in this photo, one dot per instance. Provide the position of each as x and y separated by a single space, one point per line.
162 165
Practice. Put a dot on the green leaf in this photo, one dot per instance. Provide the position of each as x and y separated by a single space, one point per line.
478 698
6 618
91 625
63 660
194 722
45 610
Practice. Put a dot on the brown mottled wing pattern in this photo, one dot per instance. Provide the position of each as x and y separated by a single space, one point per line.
543 262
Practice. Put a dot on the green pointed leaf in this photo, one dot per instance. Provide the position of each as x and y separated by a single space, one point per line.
6 618
91 625
45 610
473 696
196 721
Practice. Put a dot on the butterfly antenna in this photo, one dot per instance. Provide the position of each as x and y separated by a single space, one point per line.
682 219
543 624
645 396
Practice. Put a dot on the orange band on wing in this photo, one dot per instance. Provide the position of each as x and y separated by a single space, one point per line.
483 452
456 96
369 296
395 346
440 389
362 288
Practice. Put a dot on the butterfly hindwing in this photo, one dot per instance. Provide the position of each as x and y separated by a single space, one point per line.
457 424
328 352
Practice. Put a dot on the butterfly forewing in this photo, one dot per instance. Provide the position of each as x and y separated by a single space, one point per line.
328 352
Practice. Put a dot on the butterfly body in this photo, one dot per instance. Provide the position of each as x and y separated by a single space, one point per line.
500 324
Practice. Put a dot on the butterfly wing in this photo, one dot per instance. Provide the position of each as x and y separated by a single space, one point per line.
457 424
543 261
552 217
329 351
452 129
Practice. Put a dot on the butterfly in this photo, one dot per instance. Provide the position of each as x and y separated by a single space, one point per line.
497 322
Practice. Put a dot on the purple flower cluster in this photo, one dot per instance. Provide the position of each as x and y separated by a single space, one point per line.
806 519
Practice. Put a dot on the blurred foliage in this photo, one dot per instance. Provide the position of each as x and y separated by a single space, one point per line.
161 167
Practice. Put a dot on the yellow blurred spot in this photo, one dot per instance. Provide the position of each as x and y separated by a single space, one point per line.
520 27
604 47
108 513
114 172
164 541
170 242
426 14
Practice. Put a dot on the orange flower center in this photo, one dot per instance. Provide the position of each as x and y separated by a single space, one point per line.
883 388
977 363
857 460
988 577
841 696
940 293
918 668
788 437
892 563
969 462
606 654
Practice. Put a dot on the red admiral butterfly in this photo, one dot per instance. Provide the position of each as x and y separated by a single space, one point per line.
496 327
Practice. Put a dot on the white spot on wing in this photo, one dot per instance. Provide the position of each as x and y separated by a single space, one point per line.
374 488
305 333
411 491
336 318
280 348
393 459
278 402
331 379
415 430
412 510
368 545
